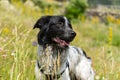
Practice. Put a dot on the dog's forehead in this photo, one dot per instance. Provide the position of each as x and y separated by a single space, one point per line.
58 19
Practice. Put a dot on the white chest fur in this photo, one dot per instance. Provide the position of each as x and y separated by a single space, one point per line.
51 59
79 64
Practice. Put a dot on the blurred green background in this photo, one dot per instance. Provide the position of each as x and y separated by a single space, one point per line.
96 22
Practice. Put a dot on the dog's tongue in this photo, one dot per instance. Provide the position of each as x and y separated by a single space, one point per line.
61 42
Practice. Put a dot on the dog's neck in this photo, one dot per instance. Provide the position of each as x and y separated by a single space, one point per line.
51 55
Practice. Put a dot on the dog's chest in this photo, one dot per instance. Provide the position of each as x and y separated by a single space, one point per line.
52 59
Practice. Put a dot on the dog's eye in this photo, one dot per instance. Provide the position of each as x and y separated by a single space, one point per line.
60 23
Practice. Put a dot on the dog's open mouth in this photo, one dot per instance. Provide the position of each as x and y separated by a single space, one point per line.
61 42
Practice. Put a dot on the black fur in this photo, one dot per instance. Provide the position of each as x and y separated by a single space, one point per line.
54 26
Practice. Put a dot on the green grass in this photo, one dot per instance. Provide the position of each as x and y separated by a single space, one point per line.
94 39
18 55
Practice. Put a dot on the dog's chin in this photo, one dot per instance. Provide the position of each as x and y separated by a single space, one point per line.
61 43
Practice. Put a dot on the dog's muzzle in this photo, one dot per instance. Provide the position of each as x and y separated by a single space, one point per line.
65 41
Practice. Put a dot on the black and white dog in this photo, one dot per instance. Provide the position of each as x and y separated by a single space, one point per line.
56 59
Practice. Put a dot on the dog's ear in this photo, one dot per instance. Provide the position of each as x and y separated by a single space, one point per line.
42 22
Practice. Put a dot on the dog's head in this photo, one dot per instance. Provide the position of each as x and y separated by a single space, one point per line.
55 30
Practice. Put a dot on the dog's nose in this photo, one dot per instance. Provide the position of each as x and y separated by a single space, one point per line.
73 34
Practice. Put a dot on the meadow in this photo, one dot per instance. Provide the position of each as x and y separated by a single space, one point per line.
18 49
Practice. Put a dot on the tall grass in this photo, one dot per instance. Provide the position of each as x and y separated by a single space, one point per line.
97 39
